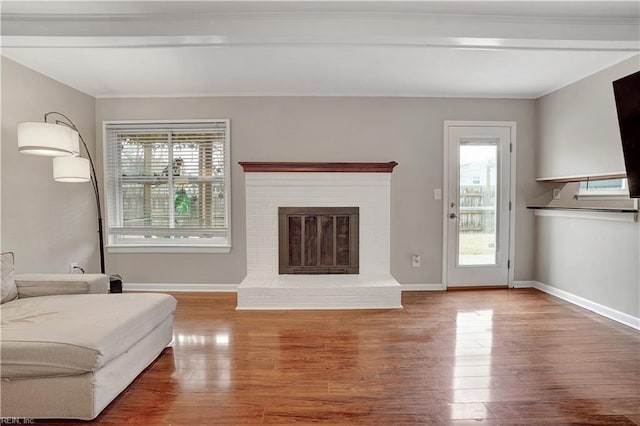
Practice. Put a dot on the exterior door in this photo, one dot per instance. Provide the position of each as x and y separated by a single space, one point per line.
477 204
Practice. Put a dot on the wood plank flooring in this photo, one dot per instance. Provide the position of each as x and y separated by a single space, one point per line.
466 357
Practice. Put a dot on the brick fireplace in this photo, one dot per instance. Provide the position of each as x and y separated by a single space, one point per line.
332 283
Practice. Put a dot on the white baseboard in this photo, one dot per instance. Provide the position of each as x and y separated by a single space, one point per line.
179 287
422 287
524 284
234 287
621 317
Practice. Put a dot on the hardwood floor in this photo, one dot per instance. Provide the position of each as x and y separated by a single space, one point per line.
466 357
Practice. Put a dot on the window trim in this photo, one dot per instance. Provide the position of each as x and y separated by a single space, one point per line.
131 248
603 194
164 247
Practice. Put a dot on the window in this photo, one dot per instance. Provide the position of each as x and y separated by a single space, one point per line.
167 185
616 188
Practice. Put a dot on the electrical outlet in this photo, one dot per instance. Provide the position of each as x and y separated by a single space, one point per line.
437 194
73 266
415 261
556 193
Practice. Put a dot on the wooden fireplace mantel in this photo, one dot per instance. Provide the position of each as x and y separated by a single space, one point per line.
250 166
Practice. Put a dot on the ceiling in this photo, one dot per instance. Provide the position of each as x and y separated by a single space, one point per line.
511 49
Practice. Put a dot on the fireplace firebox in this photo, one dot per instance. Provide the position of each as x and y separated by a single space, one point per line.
318 240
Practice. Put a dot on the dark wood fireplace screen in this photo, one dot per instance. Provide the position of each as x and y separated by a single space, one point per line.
318 240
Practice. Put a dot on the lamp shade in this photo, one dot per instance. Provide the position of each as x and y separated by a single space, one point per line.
71 169
48 139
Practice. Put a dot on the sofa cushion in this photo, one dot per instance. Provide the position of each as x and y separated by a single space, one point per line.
38 285
8 289
73 334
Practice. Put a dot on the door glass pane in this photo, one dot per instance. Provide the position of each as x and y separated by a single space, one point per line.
477 203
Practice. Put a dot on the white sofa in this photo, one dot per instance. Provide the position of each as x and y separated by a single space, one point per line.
67 348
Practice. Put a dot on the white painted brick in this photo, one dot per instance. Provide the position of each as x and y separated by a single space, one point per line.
266 192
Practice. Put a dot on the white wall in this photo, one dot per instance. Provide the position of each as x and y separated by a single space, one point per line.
406 130
46 224
578 127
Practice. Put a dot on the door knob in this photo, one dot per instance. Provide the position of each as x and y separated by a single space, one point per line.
453 216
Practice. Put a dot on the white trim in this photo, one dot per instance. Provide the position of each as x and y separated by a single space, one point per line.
589 215
576 178
445 202
445 191
603 196
423 42
523 284
422 287
167 249
377 15
621 317
512 212
233 287
151 121
180 287
464 123
142 247
394 94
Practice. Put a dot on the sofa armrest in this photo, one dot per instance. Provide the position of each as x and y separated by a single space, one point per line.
32 285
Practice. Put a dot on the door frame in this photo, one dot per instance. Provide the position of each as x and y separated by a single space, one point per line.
445 193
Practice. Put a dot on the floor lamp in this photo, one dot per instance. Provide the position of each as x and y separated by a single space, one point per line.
61 140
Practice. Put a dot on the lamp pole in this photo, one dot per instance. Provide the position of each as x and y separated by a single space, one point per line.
94 179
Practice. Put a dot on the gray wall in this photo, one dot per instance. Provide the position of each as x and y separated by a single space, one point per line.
407 130
50 225
46 224
591 258
594 259
578 126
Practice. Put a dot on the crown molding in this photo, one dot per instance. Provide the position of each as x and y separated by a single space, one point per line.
324 15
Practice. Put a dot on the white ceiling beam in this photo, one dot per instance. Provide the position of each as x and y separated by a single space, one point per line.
390 29
238 41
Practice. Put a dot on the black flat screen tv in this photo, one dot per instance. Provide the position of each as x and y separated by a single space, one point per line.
627 93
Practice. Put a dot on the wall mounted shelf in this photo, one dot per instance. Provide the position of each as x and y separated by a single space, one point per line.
582 178
585 209
593 213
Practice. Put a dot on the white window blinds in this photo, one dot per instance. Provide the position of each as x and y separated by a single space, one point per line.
167 183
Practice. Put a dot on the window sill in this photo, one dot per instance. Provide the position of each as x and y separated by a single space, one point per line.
168 249
602 196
